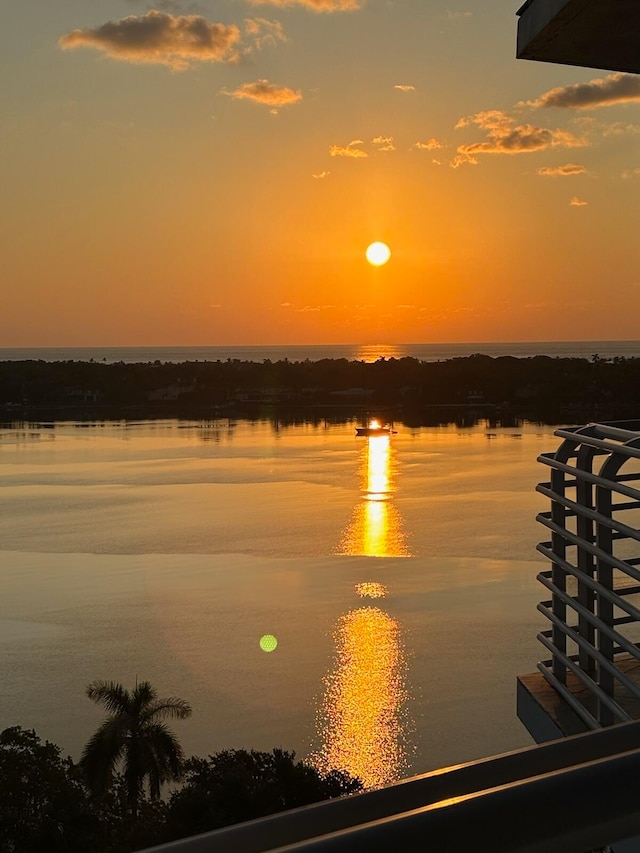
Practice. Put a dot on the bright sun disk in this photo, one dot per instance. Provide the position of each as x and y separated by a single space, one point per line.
378 254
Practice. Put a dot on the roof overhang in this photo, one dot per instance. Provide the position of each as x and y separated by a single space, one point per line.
590 33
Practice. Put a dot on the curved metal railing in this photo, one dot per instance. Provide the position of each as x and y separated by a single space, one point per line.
594 580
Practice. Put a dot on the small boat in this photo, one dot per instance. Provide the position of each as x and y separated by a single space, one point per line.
375 428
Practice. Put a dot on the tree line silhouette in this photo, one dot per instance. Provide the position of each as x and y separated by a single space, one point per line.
109 802
538 388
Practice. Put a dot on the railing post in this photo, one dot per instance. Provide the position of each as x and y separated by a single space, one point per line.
559 577
585 561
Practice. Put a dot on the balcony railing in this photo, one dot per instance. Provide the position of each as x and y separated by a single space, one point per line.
567 796
594 578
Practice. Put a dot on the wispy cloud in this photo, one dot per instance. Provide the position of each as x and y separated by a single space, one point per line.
458 16
160 38
430 145
405 87
384 143
172 5
316 5
314 308
262 32
600 92
321 175
578 202
487 120
631 173
350 150
263 92
561 171
505 137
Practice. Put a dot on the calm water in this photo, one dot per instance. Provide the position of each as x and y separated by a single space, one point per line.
397 576
368 352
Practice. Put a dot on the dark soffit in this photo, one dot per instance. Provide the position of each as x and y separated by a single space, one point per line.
590 33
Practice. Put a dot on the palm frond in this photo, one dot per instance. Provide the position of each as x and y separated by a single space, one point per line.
170 708
111 695
143 695
102 753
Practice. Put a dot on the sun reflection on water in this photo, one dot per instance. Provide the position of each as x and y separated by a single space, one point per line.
373 352
376 528
361 716
362 721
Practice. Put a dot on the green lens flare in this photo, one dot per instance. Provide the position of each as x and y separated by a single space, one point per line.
268 643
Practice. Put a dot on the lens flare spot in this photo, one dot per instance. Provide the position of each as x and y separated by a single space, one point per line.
268 643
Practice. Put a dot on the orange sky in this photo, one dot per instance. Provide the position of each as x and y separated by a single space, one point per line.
193 173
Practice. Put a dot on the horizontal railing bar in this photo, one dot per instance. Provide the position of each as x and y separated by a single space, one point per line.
500 819
613 429
593 653
588 719
574 801
585 476
593 687
591 583
605 443
606 557
592 514
617 649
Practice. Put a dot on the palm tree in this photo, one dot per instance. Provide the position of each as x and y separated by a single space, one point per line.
134 737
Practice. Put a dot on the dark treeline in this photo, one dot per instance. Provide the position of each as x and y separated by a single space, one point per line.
538 388
47 805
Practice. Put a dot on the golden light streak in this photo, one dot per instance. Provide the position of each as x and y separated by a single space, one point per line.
376 528
361 719
371 589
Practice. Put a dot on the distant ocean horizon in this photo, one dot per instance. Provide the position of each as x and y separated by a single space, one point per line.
316 352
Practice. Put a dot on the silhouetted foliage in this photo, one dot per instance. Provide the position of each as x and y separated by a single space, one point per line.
538 388
43 804
46 806
238 785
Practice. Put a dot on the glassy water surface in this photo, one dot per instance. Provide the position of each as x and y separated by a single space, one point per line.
397 575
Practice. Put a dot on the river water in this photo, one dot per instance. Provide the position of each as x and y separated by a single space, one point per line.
366 602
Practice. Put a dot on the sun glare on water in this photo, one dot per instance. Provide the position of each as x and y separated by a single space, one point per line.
378 254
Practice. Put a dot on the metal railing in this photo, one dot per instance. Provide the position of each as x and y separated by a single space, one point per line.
594 578
567 796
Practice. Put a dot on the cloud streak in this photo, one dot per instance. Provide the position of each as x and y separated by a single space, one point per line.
160 38
600 92
561 171
315 5
264 92
430 145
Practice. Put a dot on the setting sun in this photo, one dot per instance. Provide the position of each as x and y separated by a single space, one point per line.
378 254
